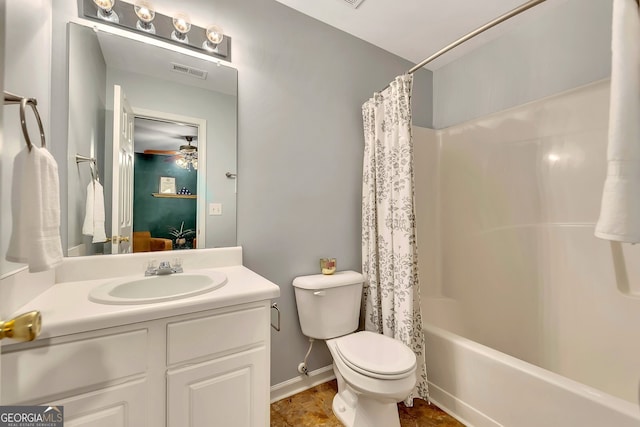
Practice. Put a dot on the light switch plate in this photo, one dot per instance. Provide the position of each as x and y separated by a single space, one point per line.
215 208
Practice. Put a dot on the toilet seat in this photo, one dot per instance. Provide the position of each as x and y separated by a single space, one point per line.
376 355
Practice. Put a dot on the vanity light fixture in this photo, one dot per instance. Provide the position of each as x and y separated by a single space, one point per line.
215 35
105 10
145 12
181 25
141 17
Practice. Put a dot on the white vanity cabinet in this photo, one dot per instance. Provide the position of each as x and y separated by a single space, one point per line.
209 368
217 374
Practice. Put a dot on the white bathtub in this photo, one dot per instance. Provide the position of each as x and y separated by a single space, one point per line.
484 387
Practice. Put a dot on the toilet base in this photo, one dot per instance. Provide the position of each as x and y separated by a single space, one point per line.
359 410
366 414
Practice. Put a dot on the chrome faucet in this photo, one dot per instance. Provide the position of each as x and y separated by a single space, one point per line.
164 268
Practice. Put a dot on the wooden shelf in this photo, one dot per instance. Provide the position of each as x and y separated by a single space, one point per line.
175 196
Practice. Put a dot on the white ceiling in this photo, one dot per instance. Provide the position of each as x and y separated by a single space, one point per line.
160 135
415 29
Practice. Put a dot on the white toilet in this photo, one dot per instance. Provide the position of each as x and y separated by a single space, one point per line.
374 372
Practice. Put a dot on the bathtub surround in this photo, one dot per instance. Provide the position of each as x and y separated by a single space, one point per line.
620 209
538 304
389 253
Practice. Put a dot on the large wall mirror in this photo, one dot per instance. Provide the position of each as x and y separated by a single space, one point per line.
162 128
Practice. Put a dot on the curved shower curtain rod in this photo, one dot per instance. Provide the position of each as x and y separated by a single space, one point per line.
518 10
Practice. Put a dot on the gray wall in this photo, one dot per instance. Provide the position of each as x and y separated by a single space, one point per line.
301 88
28 57
87 80
218 109
566 47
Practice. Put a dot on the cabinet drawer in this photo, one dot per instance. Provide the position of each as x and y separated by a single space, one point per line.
209 335
30 375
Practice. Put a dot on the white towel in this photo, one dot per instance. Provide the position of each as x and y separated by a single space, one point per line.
94 215
620 209
35 208
87 226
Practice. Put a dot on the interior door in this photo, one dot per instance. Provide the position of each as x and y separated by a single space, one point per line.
122 194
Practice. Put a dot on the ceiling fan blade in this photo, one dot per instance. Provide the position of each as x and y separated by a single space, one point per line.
161 152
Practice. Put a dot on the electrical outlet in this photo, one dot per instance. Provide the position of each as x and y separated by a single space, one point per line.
215 208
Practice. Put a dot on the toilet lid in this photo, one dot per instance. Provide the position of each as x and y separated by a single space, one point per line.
376 355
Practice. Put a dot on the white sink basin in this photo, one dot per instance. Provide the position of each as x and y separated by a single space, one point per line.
145 290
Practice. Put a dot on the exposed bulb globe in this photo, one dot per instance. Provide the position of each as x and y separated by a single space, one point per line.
105 10
182 23
215 34
145 11
105 5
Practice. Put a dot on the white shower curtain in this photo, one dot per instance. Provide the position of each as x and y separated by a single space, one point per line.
389 253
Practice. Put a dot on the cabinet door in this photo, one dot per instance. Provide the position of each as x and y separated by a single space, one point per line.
230 391
123 405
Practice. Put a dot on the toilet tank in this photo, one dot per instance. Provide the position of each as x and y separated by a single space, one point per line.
329 305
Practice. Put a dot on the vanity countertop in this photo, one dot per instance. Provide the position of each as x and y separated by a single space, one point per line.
66 308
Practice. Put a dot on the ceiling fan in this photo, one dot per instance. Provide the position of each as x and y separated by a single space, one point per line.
185 157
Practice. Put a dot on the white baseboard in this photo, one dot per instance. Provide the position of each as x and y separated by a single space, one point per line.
301 383
79 250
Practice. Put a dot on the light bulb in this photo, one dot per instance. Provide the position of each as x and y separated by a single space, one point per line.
182 25
105 10
105 5
146 13
181 163
215 34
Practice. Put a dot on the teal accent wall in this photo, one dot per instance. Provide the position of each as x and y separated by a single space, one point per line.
158 214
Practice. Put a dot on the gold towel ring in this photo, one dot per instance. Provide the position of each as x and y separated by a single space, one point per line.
23 106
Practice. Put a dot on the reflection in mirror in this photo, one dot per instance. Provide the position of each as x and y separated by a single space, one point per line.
166 164
180 124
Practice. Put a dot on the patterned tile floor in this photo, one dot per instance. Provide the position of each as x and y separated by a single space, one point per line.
312 408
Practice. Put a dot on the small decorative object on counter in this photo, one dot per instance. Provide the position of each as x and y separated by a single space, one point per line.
184 191
328 265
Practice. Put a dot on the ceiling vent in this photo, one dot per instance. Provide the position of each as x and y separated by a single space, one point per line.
354 3
194 72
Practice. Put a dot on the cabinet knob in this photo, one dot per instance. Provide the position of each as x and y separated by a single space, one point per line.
25 327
